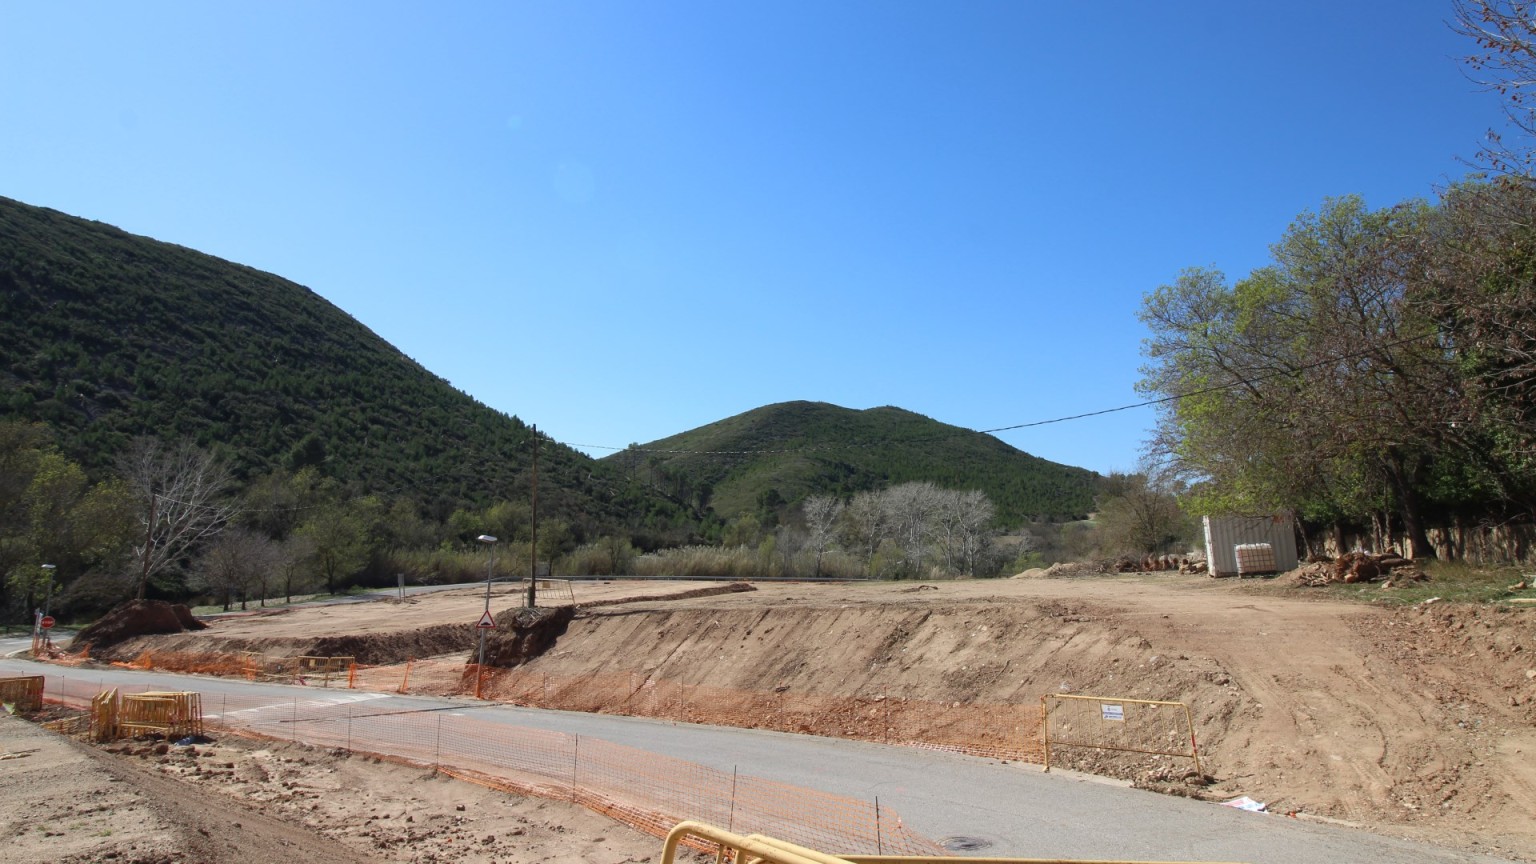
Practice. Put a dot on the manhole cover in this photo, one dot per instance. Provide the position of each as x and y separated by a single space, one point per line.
961 843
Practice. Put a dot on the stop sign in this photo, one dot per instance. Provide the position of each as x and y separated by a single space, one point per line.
47 622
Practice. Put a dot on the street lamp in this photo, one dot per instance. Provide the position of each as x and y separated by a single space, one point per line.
48 597
490 567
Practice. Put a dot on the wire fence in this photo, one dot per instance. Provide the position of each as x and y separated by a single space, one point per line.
645 790
995 730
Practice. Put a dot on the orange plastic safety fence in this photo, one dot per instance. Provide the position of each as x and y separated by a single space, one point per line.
1001 731
647 790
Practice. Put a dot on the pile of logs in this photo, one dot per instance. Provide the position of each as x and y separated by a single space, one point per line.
1355 567
1155 564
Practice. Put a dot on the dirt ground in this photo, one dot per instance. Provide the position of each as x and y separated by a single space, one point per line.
1418 722
244 802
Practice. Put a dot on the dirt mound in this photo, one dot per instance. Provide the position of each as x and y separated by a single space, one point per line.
1063 570
523 634
137 618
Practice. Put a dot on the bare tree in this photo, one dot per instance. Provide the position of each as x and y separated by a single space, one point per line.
240 563
963 519
867 524
914 508
182 493
1505 34
821 512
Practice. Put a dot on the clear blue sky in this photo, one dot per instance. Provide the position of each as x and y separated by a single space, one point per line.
620 221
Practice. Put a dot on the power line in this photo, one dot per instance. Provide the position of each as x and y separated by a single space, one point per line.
1241 382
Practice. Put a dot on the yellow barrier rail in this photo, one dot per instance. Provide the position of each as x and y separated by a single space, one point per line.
760 849
1112 713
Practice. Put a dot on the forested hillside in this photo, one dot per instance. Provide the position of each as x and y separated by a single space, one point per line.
107 336
771 457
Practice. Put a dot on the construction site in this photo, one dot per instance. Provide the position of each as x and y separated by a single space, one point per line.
1406 721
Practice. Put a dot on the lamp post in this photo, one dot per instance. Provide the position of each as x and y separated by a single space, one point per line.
490 567
48 596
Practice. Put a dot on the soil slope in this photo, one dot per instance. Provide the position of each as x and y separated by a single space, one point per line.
1417 722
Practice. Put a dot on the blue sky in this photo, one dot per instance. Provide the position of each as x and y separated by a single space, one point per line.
620 221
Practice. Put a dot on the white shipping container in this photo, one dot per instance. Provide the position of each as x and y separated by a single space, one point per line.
1223 534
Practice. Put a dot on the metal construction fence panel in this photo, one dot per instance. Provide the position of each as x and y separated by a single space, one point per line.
1118 724
24 692
647 790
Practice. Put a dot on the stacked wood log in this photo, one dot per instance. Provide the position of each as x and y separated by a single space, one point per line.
1357 567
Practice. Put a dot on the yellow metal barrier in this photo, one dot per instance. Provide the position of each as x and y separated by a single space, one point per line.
910 859
173 715
742 849
104 716
758 849
1129 735
25 692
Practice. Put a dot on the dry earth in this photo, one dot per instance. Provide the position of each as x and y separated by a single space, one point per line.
1416 722
245 802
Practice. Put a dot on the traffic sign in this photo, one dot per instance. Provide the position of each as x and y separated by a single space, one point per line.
486 621
47 622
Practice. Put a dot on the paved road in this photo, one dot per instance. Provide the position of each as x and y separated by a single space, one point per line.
1016 809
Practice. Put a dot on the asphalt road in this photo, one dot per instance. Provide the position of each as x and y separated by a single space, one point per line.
1016 810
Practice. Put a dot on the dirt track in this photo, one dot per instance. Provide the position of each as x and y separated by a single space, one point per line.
1416 722
244 802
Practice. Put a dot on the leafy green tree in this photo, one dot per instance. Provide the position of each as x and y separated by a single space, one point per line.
1311 385
337 536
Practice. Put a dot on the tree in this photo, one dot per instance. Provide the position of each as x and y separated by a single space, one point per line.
867 524
913 508
50 513
339 540
821 513
181 492
239 563
1312 385
1505 34
1474 282
1138 517
963 521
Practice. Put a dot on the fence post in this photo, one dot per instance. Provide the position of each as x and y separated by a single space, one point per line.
879 843
731 824
349 728
575 761
437 758
295 722
1045 732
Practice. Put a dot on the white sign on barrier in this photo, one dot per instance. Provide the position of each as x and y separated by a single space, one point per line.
1112 712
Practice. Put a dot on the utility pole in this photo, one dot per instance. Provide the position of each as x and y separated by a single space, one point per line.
533 556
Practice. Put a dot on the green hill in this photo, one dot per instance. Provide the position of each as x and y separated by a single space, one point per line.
778 454
106 336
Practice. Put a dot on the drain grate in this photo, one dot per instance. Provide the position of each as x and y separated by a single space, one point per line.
961 843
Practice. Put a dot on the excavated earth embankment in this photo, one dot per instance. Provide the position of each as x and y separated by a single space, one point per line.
1419 722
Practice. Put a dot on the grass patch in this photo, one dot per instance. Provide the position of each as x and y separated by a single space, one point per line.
1453 582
